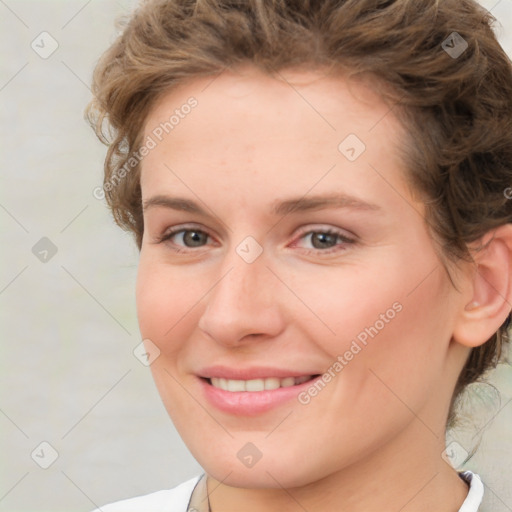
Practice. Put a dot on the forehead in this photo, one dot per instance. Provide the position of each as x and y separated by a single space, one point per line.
288 130
330 104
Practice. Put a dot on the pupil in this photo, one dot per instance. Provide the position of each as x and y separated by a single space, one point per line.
194 237
323 238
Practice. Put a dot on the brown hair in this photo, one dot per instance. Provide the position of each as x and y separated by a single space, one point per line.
453 93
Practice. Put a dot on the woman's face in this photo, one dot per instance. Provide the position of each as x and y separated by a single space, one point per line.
298 250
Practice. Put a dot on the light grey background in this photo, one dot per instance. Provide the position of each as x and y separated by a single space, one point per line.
67 369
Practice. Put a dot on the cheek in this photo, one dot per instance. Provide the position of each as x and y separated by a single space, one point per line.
359 302
165 301
165 309
403 360
392 320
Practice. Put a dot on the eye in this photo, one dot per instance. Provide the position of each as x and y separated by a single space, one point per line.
326 241
189 238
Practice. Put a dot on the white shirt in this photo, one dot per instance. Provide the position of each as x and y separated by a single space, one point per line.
178 498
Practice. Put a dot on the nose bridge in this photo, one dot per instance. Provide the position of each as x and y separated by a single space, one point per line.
245 279
242 301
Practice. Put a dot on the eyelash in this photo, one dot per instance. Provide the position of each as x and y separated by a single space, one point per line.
345 239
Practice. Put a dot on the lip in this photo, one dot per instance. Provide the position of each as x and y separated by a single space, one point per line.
251 403
255 372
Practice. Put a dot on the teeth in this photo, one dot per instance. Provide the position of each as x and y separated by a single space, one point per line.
235 385
305 378
257 384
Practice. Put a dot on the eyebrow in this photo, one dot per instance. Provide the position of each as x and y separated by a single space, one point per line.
279 207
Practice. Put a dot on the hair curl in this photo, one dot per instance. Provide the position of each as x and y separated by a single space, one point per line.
457 111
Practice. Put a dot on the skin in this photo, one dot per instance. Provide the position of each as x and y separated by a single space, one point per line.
373 438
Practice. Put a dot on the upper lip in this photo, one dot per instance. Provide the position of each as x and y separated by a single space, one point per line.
255 372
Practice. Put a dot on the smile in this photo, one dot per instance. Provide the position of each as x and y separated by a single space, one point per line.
266 384
252 396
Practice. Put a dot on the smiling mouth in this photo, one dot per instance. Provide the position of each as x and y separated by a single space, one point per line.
266 384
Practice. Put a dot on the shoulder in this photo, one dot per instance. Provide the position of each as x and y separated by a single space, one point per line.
169 500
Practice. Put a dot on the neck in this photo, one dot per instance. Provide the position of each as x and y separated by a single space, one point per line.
407 474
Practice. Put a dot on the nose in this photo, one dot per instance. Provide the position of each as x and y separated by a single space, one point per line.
243 303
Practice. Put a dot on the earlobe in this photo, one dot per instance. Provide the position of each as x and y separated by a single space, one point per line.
489 289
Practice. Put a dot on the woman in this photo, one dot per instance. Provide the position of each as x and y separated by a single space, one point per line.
318 190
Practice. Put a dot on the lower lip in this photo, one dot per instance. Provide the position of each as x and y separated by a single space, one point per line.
251 403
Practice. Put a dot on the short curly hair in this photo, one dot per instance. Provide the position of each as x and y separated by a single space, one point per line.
437 62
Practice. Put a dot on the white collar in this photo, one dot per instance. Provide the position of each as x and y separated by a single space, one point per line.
198 502
475 494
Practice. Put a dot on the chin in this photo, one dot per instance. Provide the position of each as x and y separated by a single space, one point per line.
270 472
265 477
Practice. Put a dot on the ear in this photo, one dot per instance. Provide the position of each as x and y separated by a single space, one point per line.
487 297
